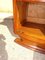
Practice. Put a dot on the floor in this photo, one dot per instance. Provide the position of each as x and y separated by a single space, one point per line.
9 50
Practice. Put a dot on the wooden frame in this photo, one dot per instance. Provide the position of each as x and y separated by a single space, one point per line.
31 38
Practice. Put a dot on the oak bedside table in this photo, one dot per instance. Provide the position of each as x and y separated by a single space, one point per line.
29 23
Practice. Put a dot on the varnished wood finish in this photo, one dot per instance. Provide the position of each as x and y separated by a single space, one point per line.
30 45
32 0
30 28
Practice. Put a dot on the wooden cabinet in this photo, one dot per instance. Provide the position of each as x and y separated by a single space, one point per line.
29 23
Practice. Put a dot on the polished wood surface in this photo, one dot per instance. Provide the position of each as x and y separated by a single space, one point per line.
29 24
31 45
32 0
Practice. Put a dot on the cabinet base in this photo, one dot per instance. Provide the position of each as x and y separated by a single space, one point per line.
32 46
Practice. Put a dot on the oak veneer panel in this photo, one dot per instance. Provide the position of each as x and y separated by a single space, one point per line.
36 13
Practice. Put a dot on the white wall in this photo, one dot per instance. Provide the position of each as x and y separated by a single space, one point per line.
6 5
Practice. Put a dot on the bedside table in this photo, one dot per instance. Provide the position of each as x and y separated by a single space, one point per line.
29 23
